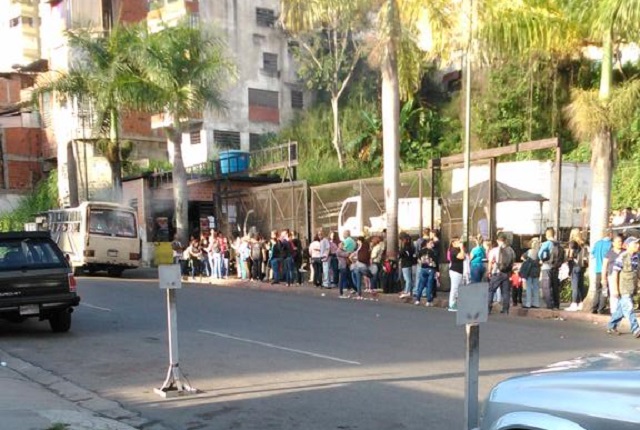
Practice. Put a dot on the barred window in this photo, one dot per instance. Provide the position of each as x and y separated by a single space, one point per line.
297 99
195 137
270 62
225 139
263 98
265 17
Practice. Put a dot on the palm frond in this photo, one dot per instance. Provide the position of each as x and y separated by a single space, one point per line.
524 28
587 114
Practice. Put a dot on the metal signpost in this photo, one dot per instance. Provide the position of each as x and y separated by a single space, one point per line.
175 383
473 309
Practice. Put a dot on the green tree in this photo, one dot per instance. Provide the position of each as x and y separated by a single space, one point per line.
102 76
185 70
329 49
595 115
400 55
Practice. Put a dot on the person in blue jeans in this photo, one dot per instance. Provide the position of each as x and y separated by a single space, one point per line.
428 264
477 258
276 258
625 280
407 260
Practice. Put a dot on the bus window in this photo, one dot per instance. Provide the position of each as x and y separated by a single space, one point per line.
112 222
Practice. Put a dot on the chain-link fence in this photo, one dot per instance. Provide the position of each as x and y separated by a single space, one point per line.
266 208
359 206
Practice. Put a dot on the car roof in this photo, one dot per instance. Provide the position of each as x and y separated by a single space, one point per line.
25 235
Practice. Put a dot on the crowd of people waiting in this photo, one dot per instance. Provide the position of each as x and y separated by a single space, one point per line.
359 265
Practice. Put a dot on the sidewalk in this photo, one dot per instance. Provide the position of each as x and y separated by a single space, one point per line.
440 301
35 399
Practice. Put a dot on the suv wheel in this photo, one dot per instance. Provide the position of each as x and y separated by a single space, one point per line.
60 322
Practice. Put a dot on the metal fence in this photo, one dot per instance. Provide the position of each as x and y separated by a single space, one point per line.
270 207
359 206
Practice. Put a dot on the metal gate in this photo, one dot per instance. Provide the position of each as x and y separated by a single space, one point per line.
266 208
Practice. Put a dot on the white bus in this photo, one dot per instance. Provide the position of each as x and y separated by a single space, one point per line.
97 236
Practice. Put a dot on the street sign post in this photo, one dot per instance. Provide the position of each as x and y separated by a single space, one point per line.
473 309
174 384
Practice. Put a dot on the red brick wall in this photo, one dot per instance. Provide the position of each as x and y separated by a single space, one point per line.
23 141
138 124
23 174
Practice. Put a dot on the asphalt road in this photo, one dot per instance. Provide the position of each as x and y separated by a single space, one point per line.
272 360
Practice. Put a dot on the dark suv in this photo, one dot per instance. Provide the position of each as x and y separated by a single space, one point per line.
35 280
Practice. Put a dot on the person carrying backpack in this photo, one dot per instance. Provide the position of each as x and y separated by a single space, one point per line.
501 263
552 256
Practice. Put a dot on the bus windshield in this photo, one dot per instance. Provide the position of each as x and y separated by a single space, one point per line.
112 222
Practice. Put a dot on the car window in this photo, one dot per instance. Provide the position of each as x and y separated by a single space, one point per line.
28 253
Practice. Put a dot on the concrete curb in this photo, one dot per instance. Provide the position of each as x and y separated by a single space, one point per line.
100 413
519 312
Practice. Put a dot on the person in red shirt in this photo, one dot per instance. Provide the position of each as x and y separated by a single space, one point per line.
516 288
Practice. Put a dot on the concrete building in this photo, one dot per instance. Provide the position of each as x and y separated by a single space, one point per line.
267 92
69 126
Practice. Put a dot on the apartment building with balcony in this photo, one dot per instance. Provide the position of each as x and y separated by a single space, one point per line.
267 92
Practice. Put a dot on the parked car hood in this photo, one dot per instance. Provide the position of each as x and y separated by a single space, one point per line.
606 386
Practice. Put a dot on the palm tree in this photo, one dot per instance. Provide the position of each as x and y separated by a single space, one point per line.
184 69
101 76
325 30
566 26
400 23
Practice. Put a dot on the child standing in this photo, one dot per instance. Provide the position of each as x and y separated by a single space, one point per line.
516 287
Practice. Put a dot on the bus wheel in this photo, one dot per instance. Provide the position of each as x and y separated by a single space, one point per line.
114 272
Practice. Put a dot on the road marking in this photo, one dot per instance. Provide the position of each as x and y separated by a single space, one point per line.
282 348
95 307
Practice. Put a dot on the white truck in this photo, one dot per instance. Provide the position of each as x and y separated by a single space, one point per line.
529 218
370 218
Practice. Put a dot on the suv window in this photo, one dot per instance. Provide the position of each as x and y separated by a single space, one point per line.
30 253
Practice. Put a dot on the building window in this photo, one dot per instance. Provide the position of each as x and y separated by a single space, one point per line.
258 141
265 17
264 106
226 139
270 63
195 137
297 99
14 22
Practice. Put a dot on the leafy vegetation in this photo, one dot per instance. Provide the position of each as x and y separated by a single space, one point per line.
44 197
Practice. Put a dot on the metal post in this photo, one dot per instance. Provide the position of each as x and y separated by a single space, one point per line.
472 362
174 384
420 204
492 199
433 191
558 183
467 127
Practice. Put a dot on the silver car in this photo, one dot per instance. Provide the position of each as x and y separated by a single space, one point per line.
599 392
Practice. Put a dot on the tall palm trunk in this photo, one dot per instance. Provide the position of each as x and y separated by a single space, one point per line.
180 191
602 164
116 161
337 134
390 129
